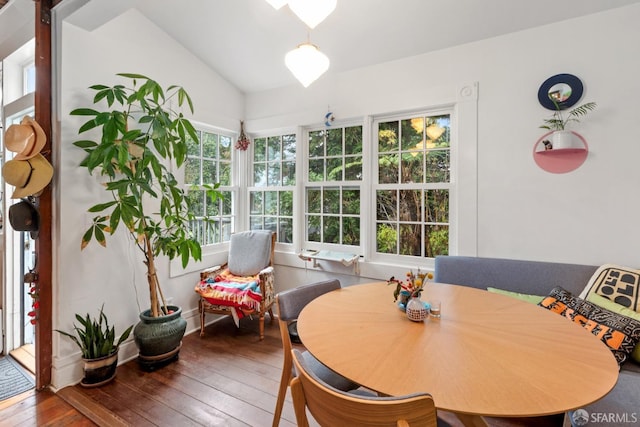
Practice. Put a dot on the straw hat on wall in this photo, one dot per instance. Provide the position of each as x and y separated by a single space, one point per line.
27 176
26 139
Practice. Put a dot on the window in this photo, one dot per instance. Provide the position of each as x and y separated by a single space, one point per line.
413 184
333 187
274 180
209 162
29 78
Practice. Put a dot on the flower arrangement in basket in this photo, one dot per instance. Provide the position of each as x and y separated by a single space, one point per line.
412 286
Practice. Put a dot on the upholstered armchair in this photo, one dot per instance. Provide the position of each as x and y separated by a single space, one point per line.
244 285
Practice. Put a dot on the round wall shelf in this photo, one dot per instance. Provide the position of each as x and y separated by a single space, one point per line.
560 160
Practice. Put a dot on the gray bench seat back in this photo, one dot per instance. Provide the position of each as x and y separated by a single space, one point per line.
528 277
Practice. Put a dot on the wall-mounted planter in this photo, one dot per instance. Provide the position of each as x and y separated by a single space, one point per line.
569 152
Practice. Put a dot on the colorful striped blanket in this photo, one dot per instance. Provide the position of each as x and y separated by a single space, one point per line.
238 292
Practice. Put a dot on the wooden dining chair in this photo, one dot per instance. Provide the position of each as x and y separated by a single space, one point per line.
332 407
289 304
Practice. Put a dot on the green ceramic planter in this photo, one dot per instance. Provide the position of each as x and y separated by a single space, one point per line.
158 336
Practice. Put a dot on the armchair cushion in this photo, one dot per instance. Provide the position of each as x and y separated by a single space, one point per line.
256 242
242 292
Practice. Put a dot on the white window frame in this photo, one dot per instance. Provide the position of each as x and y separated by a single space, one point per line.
233 188
301 196
278 188
28 67
375 186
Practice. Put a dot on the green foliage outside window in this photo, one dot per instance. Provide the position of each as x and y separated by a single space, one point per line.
414 157
274 173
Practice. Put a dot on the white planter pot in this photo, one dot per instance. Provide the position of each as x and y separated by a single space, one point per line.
562 139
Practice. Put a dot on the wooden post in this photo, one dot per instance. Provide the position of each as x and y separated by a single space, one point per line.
44 247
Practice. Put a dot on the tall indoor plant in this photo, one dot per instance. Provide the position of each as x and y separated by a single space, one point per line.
140 136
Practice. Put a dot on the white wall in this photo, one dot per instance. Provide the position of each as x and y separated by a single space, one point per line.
587 216
85 280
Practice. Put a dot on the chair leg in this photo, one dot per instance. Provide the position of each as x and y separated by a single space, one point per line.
299 403
201 309
270 316
261 326
282 391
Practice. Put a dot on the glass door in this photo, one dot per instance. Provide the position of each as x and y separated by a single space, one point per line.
19 259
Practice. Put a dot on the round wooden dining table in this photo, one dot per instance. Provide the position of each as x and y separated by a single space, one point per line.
487 355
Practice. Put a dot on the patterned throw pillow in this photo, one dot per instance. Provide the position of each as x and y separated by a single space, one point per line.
616 283
618 332
617 308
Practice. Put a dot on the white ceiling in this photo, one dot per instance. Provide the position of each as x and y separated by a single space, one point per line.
245 40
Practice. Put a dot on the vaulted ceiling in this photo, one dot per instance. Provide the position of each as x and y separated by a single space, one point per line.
245 41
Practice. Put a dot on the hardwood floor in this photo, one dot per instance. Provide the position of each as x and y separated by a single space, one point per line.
227 378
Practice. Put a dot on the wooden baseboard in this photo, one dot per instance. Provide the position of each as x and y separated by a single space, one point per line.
90 409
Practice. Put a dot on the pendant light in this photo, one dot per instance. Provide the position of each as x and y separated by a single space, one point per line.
307 63
277 4
312 12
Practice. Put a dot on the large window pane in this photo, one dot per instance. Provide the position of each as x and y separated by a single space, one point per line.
314 200
353 140
437 206
413 216
351 201
209 145
209 162
386 238
274 167
351 231
316 143
410 241
331 229
386 205
388 137
438 166
437 242
259 149
316 170
313 228
388 168
331 202
334 142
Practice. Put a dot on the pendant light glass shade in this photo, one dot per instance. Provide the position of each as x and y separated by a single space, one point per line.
277 4
307 63
312 12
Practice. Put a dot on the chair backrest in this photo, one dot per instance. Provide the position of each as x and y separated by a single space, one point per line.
332 407
250 252
291 302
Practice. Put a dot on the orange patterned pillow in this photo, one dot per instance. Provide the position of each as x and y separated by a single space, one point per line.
618 332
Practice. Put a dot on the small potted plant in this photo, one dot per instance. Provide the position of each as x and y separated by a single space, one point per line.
97 342
558 122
